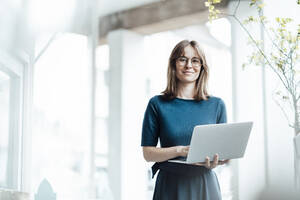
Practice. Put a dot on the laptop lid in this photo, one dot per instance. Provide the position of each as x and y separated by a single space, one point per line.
229 140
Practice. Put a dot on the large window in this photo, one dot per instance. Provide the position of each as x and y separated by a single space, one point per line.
61 133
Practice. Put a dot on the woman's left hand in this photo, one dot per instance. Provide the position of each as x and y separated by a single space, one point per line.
212 164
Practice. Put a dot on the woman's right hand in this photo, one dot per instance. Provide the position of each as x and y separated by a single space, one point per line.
159 154
182 150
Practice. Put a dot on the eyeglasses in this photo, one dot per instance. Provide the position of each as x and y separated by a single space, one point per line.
182 61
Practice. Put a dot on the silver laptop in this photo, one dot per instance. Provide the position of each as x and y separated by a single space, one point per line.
228 140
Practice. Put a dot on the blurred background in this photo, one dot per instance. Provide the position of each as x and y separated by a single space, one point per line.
75 79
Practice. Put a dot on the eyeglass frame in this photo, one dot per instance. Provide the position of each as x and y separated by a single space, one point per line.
187 60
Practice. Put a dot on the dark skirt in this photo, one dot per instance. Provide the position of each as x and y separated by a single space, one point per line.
186 182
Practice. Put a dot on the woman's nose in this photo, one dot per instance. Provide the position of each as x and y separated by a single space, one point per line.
188 64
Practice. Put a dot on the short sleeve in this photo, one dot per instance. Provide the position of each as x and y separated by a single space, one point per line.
222 115
150 130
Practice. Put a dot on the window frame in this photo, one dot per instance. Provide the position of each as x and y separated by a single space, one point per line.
14 67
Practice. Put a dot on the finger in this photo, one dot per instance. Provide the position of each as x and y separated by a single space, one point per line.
207 162
215 162
183 150
187 148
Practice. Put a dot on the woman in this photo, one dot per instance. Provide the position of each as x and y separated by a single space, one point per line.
171 118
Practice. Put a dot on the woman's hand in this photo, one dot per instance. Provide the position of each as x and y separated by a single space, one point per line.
182 150
212 164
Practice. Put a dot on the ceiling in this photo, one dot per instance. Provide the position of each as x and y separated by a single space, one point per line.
110 6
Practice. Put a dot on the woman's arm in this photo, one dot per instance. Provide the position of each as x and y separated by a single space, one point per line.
157 154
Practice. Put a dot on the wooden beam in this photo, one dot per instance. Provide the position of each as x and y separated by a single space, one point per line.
157 16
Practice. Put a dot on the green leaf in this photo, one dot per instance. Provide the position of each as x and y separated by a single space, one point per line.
261 5
244 66
253 2
263 18
285 98
207 4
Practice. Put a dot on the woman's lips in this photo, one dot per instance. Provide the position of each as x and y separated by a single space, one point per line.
188 72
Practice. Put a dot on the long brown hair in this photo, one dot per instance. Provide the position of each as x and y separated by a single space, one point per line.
171 91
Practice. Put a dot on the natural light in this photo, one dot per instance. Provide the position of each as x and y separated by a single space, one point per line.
60 131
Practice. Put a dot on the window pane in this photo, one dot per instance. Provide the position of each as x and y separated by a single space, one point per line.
4 127
60 141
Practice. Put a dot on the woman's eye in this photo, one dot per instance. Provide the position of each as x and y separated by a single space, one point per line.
196 62
182 59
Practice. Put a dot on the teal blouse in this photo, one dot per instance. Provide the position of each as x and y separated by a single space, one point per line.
173 121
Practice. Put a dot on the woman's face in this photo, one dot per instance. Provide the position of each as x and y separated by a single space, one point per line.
188 66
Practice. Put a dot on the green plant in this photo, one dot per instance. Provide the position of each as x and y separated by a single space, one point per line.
282 56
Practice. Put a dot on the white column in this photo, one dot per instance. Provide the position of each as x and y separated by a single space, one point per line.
127 168
92 45
27 125
249 174
27 44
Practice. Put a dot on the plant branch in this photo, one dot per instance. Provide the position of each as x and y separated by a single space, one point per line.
271 39
46 47
236 8
285 114
287 79
267 32
292 64
260 50
283 64
297 98
296 125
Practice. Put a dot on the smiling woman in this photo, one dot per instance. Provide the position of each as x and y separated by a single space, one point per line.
171 117
188 66
193 74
